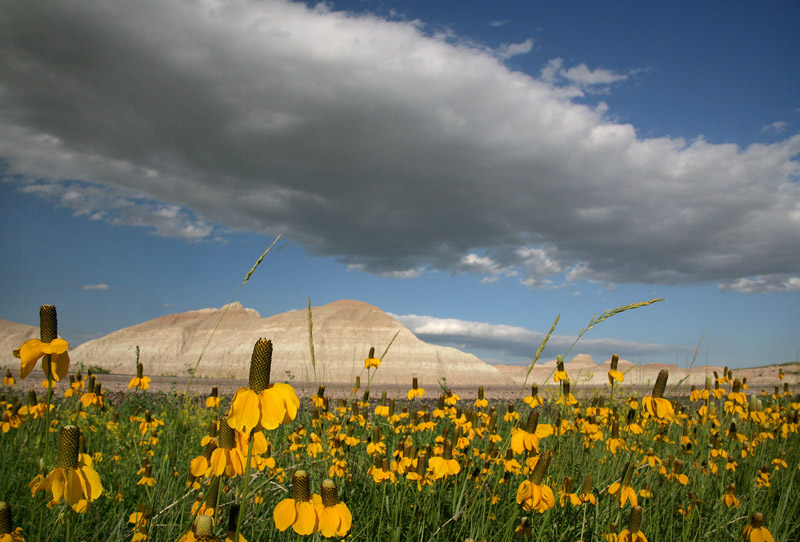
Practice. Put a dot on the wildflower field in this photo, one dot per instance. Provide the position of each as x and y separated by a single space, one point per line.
717 464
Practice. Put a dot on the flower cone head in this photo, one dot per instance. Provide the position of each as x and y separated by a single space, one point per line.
260 365
48 323
203 526
540 470
635 519
69 441
533 422
6 524
226 437
661 384
301 486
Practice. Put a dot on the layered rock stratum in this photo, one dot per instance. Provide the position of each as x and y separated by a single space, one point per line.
343 332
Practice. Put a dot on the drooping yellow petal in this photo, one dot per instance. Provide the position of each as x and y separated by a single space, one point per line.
284 514
198 466
218 461
329 521
59 365
272 408
292 403
346 519
307 520
29 354
245 410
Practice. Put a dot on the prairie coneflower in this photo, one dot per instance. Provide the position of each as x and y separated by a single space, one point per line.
49 346
8 380
140 382
586 493
534 399
262 404
481 401
226 458
566 397
334 516
7 531
633 532
74 478
755 530
527 439
566 494
729 498
415 390
444 465
212 401
298 512
371 362
532 494
561 374
614 375
623 487
655 405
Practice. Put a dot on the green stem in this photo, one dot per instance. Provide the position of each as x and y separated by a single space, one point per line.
243 500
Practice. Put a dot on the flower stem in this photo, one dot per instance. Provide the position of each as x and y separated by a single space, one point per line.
243 500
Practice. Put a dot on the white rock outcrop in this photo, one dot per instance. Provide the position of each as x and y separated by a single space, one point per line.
343 333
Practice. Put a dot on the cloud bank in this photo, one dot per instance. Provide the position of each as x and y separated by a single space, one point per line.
369 140
517 344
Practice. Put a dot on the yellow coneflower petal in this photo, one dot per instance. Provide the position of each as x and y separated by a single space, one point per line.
306 522
284 514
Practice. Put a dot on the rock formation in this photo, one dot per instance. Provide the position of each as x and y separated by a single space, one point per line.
343 333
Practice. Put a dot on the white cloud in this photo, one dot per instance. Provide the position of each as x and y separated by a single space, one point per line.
374 142
777 127
507 50
95 287
517 343
763 285
498 24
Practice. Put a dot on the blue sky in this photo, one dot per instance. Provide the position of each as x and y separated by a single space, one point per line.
473 168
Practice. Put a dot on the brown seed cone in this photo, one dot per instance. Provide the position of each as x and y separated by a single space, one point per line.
540 470
587 485
139 370
615 429
533 421
226 436
757 520
233 517
203 526
48 323
301 486
568 484
422 464
6 524
260 365
212 494
614 362
635 519
330 496
209 449
69 442
661 384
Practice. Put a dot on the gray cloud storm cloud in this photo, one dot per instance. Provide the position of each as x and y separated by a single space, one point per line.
369 140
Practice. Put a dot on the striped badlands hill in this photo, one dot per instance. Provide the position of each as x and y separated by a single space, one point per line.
343 332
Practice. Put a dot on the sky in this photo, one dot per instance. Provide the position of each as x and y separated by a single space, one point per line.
475 169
